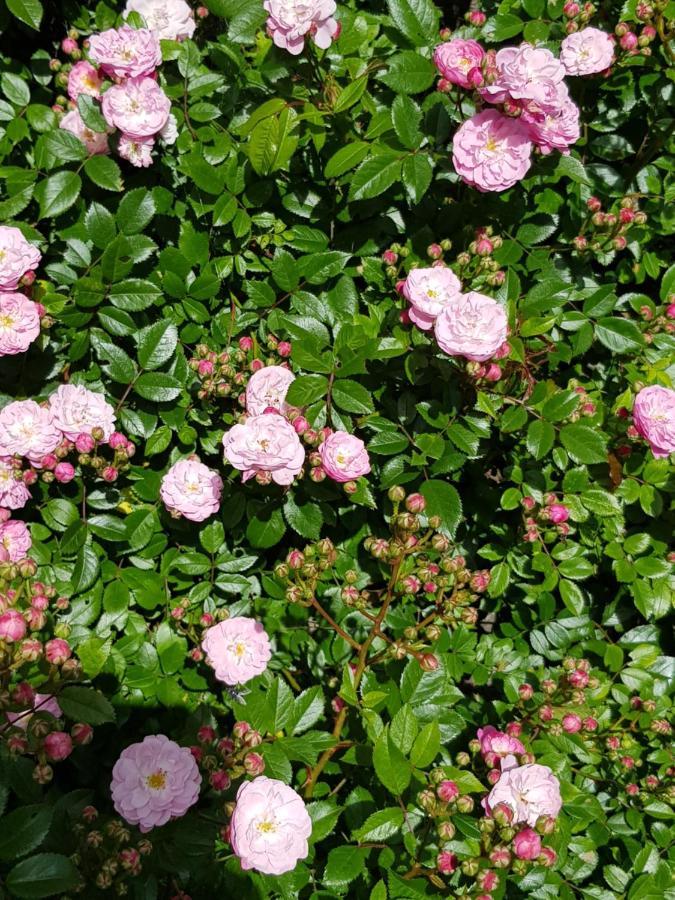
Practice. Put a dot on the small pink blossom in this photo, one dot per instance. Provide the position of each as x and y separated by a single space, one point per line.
447 791
456 59
587 52
57 651
528 791
154 781
168 20
138 107
290 21
137 151
428 290
64 472
19 323
13 492
571 723
558 513
498 742
267 388
491 151
43 703
266 443
270 826
83 78
344 457
527 844
554 131
15 541
526 74
237 649
654 418
473 326
76 410
12 626
58 746
192 490
126 52
96 142
17 256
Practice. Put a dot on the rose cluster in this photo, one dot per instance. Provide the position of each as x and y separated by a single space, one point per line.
19 315
108 849
531 105
121 73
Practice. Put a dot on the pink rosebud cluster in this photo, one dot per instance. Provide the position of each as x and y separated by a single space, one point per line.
223 760
605 232
290 22
227 373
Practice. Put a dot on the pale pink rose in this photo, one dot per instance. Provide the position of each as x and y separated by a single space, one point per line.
169 134
526 73
169 20
344 457
266 443
491 151
43 703
138 107
76 410
270 826
587 52
137 151
498 742
268 388
428 290
27 429
126 52
654 418
15 541
17 256
529 792
154 781
237 649
191 489
13 492
554 131
96 142
83 78
19 323
456 58
473 326
527 844
291 20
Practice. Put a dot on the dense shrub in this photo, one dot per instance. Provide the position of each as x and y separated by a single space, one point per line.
336 449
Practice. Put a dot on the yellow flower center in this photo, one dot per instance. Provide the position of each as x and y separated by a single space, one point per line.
266 827
3 254
264 445
156 781
239 649
6 321
491 145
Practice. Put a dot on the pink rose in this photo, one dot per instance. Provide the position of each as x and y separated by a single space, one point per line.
554 131
473 326
654 419
268 388
428 290
13 492
76 410
58 746
154 781
270 826
27 429
456 58
266 443
498 742
138 107
83 78
344 457
491 151
96 142
290 20
15 541
526 73
237 649
528 791
137 151
19 323
42 703
192 490
12 627
169 20
527 844
587 52
126 52
17 256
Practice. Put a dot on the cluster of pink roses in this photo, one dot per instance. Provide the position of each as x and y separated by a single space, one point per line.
289 22
470 325
19 316
492 150
122 73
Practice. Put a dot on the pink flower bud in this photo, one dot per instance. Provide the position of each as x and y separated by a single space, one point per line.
202 12
284 349
246 344
206 734
548 857
628 41
428 662
58 746
500 857
254 764
415 503
220 780
593 204
527 844
571 9
447 791
434 251
670 310
390 258
477 18
578 678
82 733
493 373
446 862
484 246
443 86
64 472
68 45
480 581
632 790
57 651
546 713
525 691
475 77
590 724
240 729
558 513
571 723
109 474
23 695
12 626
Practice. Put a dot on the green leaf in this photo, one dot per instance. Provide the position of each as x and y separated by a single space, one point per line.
374 176
540 438
352 397
346 158
23 830
134 294
304 518
344 865
272 142
351 94
307 710
409 73
135 211
381 825
157 344
417 174
42 875
158 387
84 704
28 11
391 766
443 501
619 335
307 389
100 225
584 444
104 172
57 193
416 19
90 113
403 729
427 746
266 531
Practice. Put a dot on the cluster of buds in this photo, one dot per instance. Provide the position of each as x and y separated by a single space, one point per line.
562 701
304 570
606 231
658 321
107 853
577 15
88 451
630 41
476 267
553 514
191 618
223 760
226 373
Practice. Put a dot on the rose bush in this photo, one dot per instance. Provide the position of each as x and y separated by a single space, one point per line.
337 422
